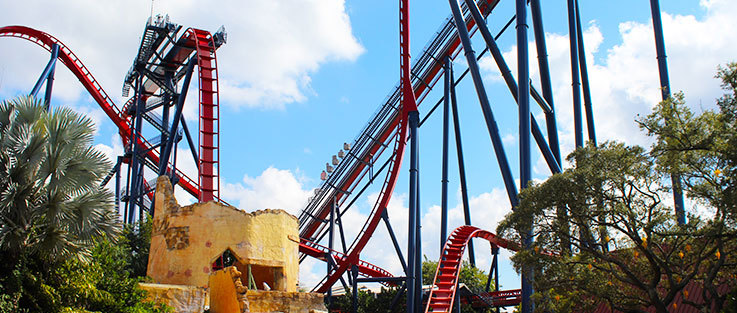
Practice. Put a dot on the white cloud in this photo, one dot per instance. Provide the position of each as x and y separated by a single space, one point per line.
625 83
273 189
273 46
111 152
509 139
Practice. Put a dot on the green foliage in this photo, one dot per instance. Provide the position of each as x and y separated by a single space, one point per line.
51 202
137 237
701 148
473 277
603 231
369 302
60 243
100 283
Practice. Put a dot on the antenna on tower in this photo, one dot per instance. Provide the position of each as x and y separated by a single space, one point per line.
152 9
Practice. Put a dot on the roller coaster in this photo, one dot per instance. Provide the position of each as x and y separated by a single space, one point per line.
151 126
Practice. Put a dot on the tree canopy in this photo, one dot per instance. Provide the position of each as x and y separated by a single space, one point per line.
609 221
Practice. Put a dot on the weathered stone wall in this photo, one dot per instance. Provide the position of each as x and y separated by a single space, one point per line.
183 299
292 302
186 240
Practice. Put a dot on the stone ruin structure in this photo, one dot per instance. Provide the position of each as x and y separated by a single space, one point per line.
217 256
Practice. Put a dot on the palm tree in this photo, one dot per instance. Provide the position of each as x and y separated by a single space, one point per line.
51 202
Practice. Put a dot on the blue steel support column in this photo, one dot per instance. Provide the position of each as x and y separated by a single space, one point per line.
575 83
413 274
493 271
461 164
169 145
47 76
585 79
444 179
330 246
167 98
141 168
418 228
542 59
550 159
660 49
354 274
117 184
127 195
523 102
491 124
495 252
385 217
136 181
50 77
665 93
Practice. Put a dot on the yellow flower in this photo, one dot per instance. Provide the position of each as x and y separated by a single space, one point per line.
688 248
557 297
719 255
685 294
680 254
590 267
606 238
717 172
609 282
675 306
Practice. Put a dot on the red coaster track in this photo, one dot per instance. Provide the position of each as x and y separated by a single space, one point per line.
320 252
449 266
200 40
208 185
391 125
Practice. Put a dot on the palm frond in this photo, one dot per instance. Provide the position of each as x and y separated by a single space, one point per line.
51 203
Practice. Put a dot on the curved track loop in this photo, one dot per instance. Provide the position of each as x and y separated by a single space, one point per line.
449 266
396 129
75 65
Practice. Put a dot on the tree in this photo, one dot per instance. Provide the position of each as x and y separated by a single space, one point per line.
51 202
136 238
703 148
615 240
60 243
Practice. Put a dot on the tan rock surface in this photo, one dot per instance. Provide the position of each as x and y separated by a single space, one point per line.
292 302
186 240
184 299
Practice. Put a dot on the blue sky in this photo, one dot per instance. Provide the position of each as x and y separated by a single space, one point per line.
299 78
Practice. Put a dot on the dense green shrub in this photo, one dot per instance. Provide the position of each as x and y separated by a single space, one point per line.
61 248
